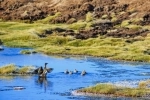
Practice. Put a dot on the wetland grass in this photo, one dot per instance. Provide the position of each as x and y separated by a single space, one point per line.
7 69
11 69
112 90
15 34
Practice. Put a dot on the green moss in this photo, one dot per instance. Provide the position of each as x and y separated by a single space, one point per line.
78 25
89 17
48 19
135 27
104 16
125 23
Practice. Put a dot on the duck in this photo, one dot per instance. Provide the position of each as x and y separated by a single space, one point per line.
83 72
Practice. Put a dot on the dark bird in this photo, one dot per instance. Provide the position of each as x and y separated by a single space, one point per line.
42 72
45 71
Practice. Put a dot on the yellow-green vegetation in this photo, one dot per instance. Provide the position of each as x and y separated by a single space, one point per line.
28 51
11 68
48 19
7 69
78 25
89 17
104 16
144 84
112 90
24 69
16 34
135 27
125 23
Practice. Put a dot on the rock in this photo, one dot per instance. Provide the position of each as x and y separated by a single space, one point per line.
1 48
18 88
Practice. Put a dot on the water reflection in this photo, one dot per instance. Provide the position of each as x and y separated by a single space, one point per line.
6 77
44 83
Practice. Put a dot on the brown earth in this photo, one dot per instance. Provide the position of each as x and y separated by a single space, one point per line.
77 9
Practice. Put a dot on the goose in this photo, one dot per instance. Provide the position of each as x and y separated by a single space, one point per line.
40 70
83 73
70 72
45 71
66 71
75 71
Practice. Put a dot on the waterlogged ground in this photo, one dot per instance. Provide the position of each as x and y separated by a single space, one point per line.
58 86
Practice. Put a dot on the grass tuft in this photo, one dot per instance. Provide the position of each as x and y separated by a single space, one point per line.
7 69
11 68
110 89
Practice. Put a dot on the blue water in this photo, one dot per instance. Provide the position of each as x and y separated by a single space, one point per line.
57 85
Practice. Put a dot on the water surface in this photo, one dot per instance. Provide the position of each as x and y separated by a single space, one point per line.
57 85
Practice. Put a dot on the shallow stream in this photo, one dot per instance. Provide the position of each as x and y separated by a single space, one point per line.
57 85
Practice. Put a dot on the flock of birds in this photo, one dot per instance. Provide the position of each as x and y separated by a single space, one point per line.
42 72
75 71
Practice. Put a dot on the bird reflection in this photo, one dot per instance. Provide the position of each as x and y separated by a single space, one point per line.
42 81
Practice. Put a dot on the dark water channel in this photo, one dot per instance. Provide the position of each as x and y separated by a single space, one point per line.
58 86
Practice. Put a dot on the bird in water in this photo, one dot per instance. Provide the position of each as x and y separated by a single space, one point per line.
83 73
40 70
43 72
75 71
70 72
66 71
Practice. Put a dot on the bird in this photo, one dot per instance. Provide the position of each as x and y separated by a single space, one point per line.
66 71
40 70
83 73
75 71
45 71
70 72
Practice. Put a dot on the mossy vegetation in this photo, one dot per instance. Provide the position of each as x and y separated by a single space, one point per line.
16 34
13 69
78 25
112 90
48 19
89 17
